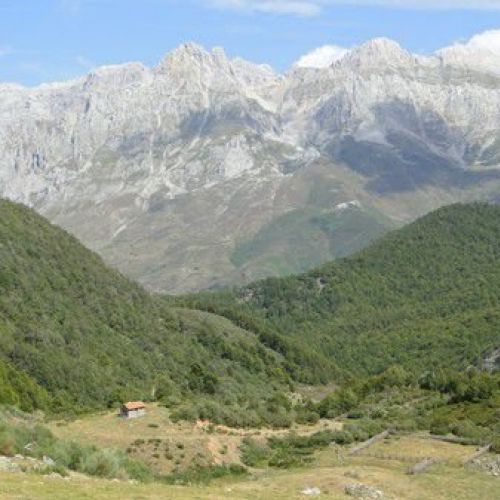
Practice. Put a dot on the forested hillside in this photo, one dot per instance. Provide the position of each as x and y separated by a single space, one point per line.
75 335
425 296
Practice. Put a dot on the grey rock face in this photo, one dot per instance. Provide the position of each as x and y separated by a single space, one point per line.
166 171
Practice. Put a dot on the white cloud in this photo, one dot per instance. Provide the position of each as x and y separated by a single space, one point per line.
422 4
486 42
489 40
322 57
481 52
314 7
294 7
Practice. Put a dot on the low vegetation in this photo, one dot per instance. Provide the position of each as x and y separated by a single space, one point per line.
445 402
203 475
21 435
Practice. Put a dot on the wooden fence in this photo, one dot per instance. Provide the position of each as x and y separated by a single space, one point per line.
423 465
369 442
478 453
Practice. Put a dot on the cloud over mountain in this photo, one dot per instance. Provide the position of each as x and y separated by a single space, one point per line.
488 40
322 57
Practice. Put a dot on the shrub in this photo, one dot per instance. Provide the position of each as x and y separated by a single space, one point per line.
440 426
14 438
495 444
138 470
202 475
356 413
285 458
343 437
187 412
305 416
338 402
102 463
52 469
254 454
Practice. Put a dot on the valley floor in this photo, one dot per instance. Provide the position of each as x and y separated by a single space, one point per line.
383 466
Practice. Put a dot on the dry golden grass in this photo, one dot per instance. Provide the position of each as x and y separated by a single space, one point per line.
200 442
440 483
446 481
418 447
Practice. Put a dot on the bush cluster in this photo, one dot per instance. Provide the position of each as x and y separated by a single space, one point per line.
37 441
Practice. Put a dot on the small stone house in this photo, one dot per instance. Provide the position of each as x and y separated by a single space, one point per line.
133 409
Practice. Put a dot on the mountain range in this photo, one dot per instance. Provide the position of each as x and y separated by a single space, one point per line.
207 171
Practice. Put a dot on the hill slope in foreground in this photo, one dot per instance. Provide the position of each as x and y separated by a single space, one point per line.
76 335
425 296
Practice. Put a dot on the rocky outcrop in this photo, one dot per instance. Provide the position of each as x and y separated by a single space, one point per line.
363 492
165 171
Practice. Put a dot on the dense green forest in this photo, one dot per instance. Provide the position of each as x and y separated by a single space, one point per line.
76 335
423 297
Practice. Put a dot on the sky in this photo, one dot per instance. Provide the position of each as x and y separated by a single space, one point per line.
49 40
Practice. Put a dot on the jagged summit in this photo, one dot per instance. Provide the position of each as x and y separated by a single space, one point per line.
206 170
192 54
116 75
379 53
381 46
186 51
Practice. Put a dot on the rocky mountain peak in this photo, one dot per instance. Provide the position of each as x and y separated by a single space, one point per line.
119 75
189 55
168 171
377 54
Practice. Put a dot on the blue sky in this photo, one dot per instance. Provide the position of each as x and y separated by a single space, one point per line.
46 40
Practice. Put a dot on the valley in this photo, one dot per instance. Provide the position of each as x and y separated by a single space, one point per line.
270 280
261 391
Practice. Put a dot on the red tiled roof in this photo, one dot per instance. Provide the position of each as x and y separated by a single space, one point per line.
134 405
